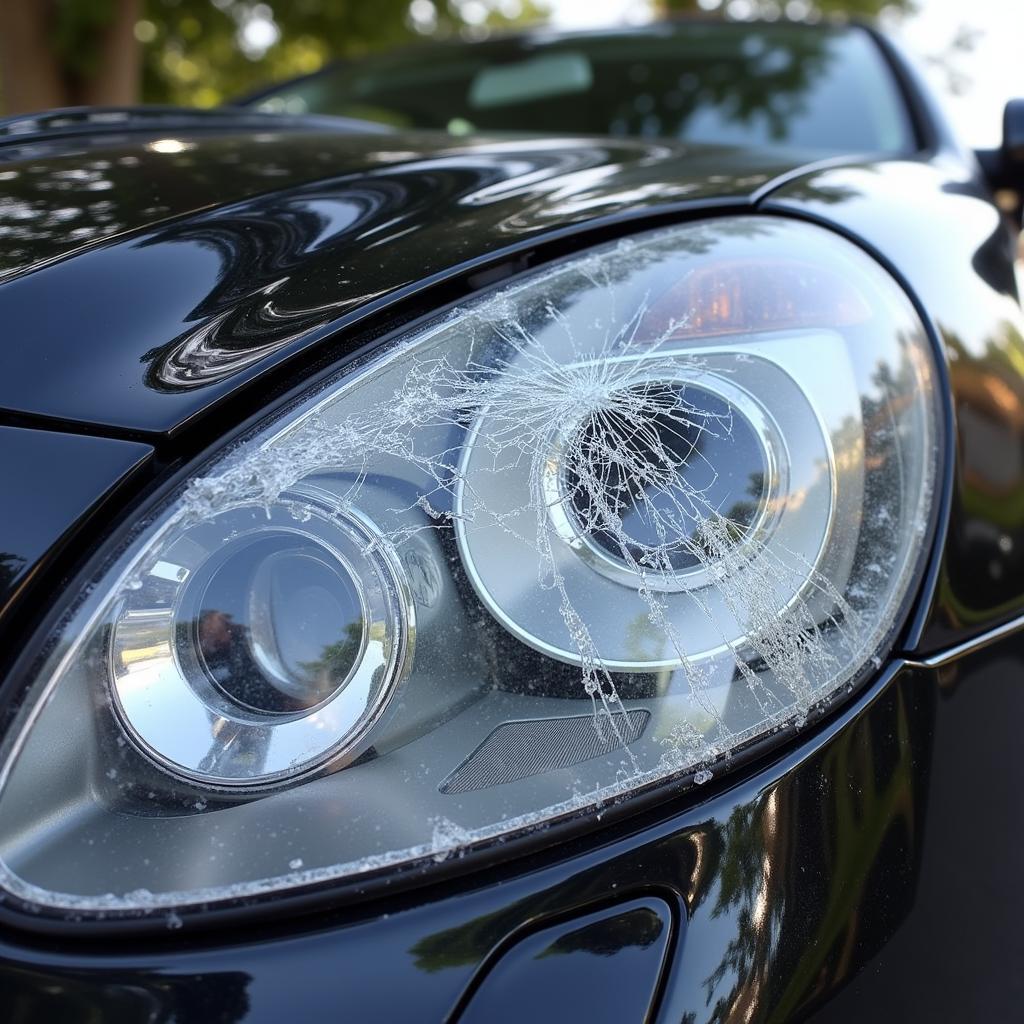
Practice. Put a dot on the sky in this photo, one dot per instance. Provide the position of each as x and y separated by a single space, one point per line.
990 74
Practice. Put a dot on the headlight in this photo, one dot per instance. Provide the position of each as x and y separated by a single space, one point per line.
264 642
594 531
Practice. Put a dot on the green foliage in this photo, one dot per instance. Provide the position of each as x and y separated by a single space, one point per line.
194 50
198 51
76 29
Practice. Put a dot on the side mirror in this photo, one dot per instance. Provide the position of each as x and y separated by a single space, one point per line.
1013 139
1004 167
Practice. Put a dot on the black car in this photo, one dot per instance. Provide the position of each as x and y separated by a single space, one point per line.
526 531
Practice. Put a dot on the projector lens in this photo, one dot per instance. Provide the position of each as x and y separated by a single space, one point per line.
280 624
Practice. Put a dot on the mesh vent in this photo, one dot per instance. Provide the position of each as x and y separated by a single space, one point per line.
517 750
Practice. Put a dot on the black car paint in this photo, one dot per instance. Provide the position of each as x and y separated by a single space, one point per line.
866 866
162 319
60 477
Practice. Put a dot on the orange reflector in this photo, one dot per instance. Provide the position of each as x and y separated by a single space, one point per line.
742 297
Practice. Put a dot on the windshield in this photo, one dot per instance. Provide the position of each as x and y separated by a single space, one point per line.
814 88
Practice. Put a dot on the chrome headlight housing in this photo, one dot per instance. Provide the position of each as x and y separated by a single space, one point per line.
591 532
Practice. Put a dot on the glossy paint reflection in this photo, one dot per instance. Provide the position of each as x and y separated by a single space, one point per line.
220 998
242 320
200 283
59 478
795 873
604 967
61 196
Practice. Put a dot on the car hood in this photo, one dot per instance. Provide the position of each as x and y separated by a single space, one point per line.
146 277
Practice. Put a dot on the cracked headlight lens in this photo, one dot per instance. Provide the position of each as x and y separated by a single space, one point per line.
597 529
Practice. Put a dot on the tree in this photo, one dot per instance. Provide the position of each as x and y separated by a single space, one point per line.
55 54
58 53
